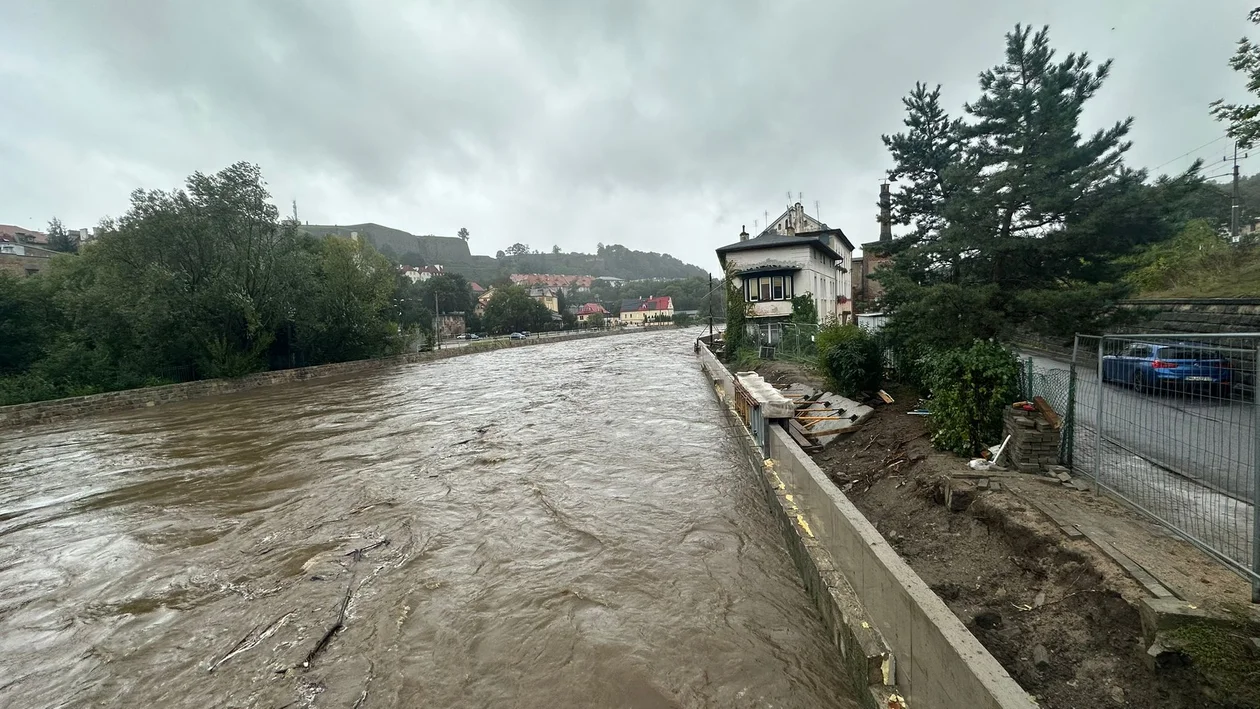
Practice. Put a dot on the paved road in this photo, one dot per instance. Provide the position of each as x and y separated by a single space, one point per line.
1211 440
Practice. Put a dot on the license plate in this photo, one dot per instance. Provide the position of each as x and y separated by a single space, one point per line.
1200 379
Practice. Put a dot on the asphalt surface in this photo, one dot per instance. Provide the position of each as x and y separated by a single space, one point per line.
1204 439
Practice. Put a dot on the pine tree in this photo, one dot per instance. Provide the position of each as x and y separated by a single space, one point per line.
1243 120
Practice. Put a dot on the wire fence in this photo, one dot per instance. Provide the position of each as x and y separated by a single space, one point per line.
1168 424
792 342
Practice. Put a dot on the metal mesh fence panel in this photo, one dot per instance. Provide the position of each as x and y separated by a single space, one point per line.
1169 427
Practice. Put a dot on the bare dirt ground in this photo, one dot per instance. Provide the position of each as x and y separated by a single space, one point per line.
1056 612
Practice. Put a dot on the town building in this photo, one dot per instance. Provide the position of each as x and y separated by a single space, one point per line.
781 263
585 312
866 290
23 259
22 235
482 299
646 310
546 296
570 284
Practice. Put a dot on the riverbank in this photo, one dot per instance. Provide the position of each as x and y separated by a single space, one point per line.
1048 596
39 412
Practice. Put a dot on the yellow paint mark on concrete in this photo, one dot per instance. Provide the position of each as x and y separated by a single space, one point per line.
885 669
788 497
800 519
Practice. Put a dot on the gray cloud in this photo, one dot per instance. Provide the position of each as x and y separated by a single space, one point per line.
661 125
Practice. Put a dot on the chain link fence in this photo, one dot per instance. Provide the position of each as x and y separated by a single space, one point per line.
1168 424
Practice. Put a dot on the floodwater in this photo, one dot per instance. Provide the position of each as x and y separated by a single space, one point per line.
568 525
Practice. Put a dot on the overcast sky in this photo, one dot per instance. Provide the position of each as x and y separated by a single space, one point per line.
661 124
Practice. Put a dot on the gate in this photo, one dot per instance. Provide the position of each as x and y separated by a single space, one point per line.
1168 423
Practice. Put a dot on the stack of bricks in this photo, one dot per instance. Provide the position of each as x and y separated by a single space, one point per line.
1034 445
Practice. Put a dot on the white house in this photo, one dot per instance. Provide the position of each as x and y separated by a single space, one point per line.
783 262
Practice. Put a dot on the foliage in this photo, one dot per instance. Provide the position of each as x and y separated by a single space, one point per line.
1015 218
851 358
463 234
683 319
197 282
512 310
1197 253
971 387
595 321
452 293
735 337
1243 120
59 239
804 310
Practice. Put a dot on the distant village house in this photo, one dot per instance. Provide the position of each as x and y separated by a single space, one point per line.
647 310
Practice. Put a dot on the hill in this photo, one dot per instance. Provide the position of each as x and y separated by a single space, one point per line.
453 254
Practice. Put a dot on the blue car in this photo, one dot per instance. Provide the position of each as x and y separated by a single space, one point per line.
1149 366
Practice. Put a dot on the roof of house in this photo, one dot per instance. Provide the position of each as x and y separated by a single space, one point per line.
662 302
591 309
476 288
554 280
13 231
774 240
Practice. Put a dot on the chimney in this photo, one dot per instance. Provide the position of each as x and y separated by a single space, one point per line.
885 213
743 233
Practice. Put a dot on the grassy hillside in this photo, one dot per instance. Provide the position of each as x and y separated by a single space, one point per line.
453 254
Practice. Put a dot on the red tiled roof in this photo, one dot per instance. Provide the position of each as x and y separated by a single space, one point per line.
552 279
591 309
13 231
476 288
663 302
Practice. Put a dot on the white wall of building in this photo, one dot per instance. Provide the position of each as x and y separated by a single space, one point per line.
818 275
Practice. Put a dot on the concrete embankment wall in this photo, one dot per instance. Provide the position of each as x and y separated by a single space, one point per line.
48 411
935 663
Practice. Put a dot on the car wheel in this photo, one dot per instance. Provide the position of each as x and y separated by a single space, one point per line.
1139 383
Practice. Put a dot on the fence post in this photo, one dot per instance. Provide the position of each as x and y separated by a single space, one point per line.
1098 417
1255 483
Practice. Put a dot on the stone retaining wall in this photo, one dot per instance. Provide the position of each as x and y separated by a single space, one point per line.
1191 315
38 412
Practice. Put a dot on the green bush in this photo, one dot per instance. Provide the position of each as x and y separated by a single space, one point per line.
970 389
851 359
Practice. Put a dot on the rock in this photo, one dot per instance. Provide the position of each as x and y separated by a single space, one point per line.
988 620
1063 477
1117 695
1040 656
1040 599
1024 422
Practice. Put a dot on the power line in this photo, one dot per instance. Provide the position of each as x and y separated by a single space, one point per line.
1190 152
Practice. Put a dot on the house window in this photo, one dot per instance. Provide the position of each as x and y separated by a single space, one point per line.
776 287
750 290
766 294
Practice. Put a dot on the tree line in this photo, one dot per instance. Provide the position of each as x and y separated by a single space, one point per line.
206 281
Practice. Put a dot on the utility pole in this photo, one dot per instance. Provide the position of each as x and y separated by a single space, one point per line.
295 217
437 332
1233 212
710 309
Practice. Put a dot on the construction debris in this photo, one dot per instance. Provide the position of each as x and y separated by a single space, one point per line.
821 416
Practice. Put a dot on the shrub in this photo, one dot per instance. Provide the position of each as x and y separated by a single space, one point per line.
970 389
851 358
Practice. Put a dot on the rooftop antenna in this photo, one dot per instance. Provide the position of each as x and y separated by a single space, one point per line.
800 196
817 214
789 194
754 225
767 215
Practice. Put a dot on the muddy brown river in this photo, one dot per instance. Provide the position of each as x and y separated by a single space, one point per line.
568 525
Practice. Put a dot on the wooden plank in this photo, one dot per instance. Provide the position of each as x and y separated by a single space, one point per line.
1066 525
1104 542
1048 411
794 425
805 444
883 395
